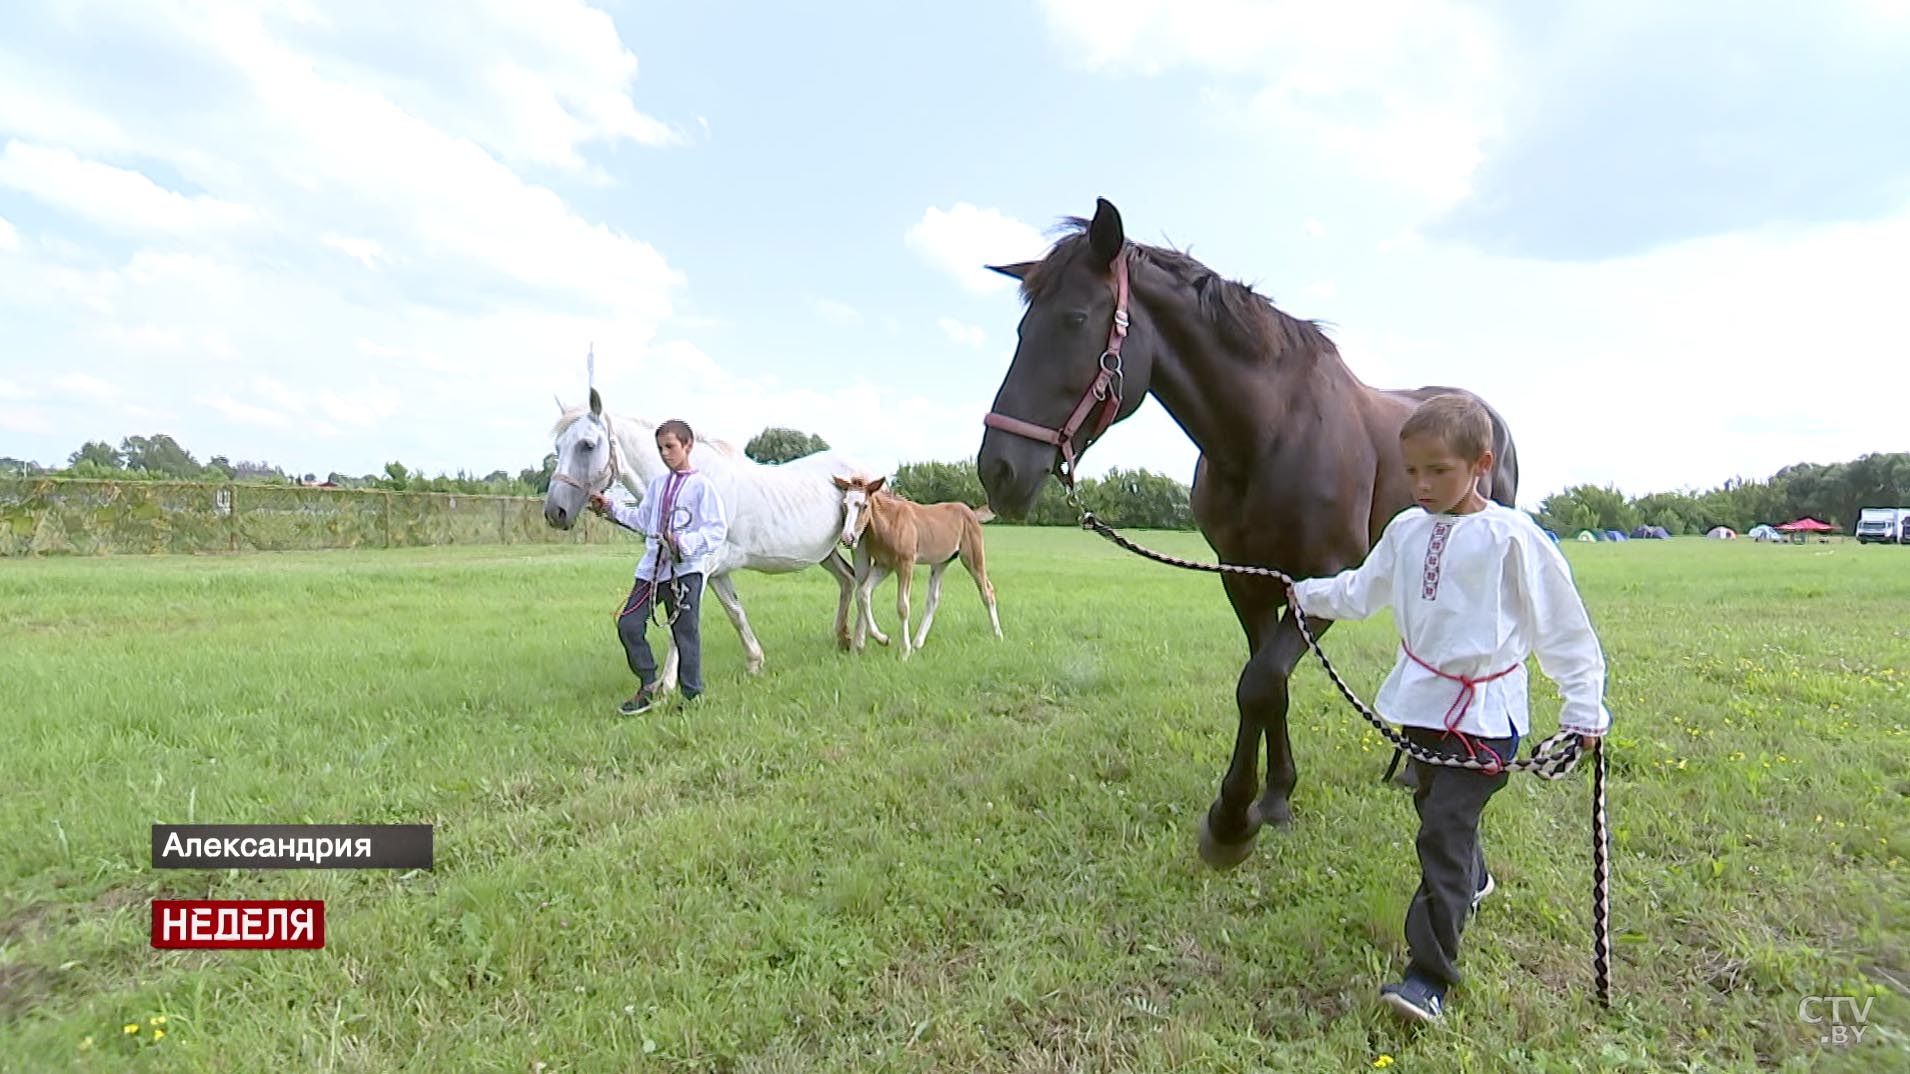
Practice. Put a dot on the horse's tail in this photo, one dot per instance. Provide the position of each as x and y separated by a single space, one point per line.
983 513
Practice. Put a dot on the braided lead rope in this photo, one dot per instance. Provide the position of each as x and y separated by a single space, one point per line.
1551 759
1601 883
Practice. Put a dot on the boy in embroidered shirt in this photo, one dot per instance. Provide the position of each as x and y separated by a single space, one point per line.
683 520
1475 587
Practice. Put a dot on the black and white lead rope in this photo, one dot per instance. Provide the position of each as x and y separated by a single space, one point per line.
1554 758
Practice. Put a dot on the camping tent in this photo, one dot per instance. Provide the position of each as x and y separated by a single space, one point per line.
1655 533
1586 535
1764 533
1721 533
1616 535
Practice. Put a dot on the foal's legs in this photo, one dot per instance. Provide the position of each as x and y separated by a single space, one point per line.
724 586
868 575
973 559
934 598
904 571
666 682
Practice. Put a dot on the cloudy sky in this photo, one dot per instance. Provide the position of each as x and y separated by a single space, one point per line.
1670 242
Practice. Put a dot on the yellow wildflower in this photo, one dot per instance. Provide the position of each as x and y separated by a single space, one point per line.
130 1028
159 1034
157 1019
1383 1062
86 1042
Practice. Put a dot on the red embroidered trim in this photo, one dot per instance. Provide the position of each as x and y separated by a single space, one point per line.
1435 551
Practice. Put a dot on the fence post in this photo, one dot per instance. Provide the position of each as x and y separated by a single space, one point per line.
232 518
387 519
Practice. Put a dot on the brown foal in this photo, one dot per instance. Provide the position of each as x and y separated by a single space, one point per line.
890 533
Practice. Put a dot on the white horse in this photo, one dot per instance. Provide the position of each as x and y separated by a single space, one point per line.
781 518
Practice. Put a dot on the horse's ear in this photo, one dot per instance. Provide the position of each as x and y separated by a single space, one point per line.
596 404
1106 237
840 483
1017 271
876 485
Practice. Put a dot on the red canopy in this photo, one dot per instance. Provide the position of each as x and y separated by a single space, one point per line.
1806 525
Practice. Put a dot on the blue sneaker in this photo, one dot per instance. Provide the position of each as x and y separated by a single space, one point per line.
1415 1000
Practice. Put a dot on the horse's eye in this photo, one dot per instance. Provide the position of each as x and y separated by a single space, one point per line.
1077 319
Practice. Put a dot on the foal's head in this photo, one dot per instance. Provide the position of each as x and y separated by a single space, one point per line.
857 491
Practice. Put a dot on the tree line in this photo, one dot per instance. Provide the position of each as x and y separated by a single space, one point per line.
161 458
1832 493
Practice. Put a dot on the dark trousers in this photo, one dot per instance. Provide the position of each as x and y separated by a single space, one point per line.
633 624
1452 863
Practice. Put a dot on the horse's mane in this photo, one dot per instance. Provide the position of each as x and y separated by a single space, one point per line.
572 414
1244 316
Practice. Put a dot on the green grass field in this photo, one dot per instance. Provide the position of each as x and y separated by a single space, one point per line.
981 860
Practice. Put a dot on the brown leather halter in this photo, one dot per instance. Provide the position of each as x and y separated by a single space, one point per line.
1102 400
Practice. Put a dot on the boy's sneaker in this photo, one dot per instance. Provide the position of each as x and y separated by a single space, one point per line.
641 701
1415 1000
1486 887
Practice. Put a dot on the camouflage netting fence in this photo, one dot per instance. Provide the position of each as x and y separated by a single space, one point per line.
76 517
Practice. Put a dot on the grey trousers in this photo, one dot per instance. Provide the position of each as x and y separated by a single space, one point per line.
1452 864
633 624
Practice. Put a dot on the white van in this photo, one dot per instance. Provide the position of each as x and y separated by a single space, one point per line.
1885 525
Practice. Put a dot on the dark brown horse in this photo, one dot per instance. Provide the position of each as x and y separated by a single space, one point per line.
1300 464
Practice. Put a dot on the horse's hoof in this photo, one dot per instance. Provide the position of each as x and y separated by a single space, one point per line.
1277 813
754 667
1219 855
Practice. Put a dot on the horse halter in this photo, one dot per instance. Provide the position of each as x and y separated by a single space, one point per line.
1102 400
601 480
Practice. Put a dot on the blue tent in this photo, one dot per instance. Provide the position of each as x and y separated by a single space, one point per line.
1615 535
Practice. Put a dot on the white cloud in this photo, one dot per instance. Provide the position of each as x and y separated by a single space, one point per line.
246 413
966 334
1315 228
839 314
9 237
84 385
22 419
254 191
1404 89
114 198
366 252
963 240
10 390
359 409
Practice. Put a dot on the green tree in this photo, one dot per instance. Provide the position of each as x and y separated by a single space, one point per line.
939 482
776 444
396 477
1677 512
538 481
159 454
99 453
1140 498
1587 507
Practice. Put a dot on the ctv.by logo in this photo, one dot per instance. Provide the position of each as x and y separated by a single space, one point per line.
1842 1019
